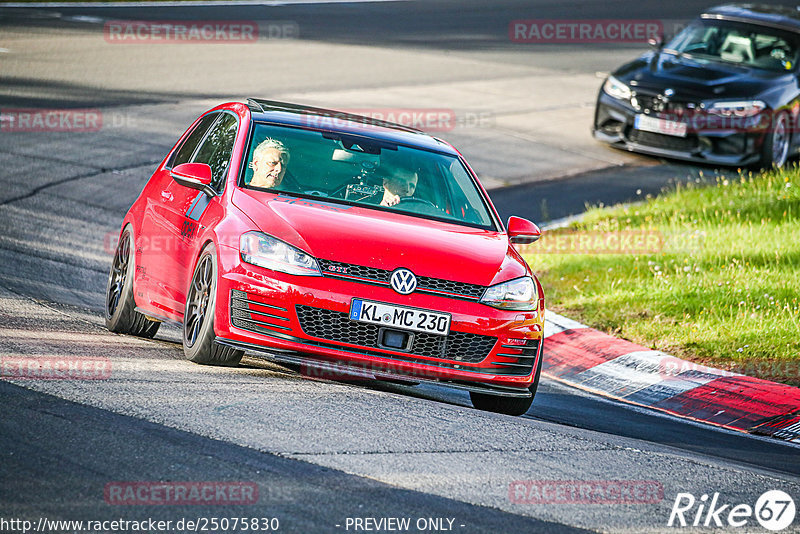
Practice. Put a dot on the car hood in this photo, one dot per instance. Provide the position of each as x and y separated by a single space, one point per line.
384 240
697 79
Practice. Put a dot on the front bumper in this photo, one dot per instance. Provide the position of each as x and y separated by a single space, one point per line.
306 319
614 124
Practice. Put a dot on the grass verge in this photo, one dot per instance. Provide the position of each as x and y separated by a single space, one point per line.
707 273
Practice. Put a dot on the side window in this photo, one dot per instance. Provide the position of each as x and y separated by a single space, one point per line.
184 153
217 148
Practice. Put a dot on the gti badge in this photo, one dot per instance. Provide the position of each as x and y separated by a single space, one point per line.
403 281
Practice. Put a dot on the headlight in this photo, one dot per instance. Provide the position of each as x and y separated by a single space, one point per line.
517 294
739 108
266 251
615 88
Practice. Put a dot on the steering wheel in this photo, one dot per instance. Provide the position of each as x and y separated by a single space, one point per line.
415 200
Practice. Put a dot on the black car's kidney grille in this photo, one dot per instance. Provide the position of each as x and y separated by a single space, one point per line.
337 326
349 271
667 142
658 104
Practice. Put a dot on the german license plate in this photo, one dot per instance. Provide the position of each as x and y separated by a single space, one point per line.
366 311
662 126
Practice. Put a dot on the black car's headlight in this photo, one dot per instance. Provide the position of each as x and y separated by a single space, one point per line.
737 108
266 251
517 294
616 89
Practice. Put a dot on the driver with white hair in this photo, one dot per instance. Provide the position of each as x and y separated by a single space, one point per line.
270 159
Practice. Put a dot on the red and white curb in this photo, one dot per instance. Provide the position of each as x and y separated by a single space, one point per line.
591 360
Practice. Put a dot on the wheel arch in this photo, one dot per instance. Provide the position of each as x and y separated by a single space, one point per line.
205 242
130 221
197 255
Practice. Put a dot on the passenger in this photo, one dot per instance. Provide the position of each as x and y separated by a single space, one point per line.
270 159
400 183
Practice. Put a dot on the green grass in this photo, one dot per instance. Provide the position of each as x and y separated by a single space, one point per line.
723 290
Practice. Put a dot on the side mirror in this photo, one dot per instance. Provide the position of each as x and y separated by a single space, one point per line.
194 175
522 231
656 42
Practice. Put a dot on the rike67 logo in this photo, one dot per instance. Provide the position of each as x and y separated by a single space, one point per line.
774 510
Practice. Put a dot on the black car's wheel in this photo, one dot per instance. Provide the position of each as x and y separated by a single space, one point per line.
775 150
198 320
121 314
508 405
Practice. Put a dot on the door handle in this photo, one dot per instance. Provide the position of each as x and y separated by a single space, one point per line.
166 195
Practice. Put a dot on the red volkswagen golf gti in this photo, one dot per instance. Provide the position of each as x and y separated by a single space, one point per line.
334 241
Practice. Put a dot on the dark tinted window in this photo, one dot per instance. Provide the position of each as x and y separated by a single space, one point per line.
184 153
217 148
734 42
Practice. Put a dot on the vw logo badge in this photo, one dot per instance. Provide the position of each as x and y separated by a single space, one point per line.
403 281
669 92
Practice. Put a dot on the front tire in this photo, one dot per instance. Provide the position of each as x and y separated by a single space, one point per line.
509 405
121 315
198 318
775 150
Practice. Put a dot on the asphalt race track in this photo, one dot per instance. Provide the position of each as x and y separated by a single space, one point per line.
320 454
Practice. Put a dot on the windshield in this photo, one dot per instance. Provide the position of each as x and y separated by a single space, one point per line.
364 171
733 42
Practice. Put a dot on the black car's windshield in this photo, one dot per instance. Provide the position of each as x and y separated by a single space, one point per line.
734 42
364 171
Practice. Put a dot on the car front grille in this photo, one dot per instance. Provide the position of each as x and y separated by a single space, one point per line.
338 327
248 313
667 142
518 359
372 275
659 104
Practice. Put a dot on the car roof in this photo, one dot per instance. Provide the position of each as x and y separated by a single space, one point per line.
343 122
783 17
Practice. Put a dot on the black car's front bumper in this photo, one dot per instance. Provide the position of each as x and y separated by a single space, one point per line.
614 124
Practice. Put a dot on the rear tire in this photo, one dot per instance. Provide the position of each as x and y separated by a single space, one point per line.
509 405
198 319
121 315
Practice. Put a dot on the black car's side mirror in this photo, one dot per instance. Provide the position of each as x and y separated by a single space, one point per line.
656 42
195 175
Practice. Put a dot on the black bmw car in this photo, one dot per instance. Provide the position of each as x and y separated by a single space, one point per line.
725 90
